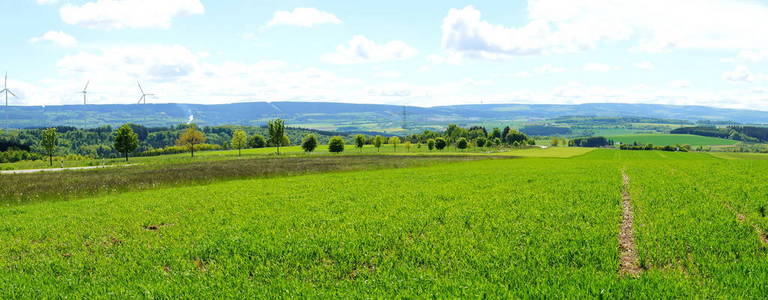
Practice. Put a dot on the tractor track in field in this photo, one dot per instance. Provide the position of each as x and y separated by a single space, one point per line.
629 262
741 218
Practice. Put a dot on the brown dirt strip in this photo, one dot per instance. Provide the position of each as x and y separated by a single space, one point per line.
743 219
629 262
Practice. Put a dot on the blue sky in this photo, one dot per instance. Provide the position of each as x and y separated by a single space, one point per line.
426 53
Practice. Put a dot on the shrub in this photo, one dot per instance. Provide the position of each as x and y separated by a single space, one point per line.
336 144
481 142
257 141
430 144
462 143
310 143
13 155
440 143
179 149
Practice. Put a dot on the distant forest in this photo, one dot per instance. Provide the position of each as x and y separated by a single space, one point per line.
739 133
544 130
77 143
99 142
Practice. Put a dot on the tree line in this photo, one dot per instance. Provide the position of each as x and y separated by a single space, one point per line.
135 140
739 133
75 143
675 148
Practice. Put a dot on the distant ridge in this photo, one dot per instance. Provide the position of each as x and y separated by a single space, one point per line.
320 114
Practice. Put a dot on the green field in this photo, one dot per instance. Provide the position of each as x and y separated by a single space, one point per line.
671 139
524 227
732 155
295 151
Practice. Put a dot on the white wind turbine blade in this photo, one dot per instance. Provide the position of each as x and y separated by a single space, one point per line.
141 89
14 95
86 86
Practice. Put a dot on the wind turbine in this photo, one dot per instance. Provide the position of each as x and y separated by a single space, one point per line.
144 95
85 93
7 91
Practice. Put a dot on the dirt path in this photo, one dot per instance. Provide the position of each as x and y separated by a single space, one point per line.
59 169
743 219
629 263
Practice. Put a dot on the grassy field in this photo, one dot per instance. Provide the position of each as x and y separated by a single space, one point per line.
671 139
521 228
34 187
748 156
293 151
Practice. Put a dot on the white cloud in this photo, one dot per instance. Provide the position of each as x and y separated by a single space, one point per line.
598 67
557 26
644 65
680 84
118 14
303 17
157 63
450 58
522 74
56 37
362 50
754 55
740 74
390 91
549 69
577 93
178 74
387 74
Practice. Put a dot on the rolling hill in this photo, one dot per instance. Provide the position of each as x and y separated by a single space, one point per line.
352 117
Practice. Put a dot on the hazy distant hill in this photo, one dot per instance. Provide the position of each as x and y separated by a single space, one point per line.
351 117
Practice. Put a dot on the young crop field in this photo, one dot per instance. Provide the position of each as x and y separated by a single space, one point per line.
748 156
671 139
294 151
528 227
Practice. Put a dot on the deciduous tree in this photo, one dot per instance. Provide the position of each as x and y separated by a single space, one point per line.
276 133
394 141
49 142
377 141
359 142
239 140
190 138
126 141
